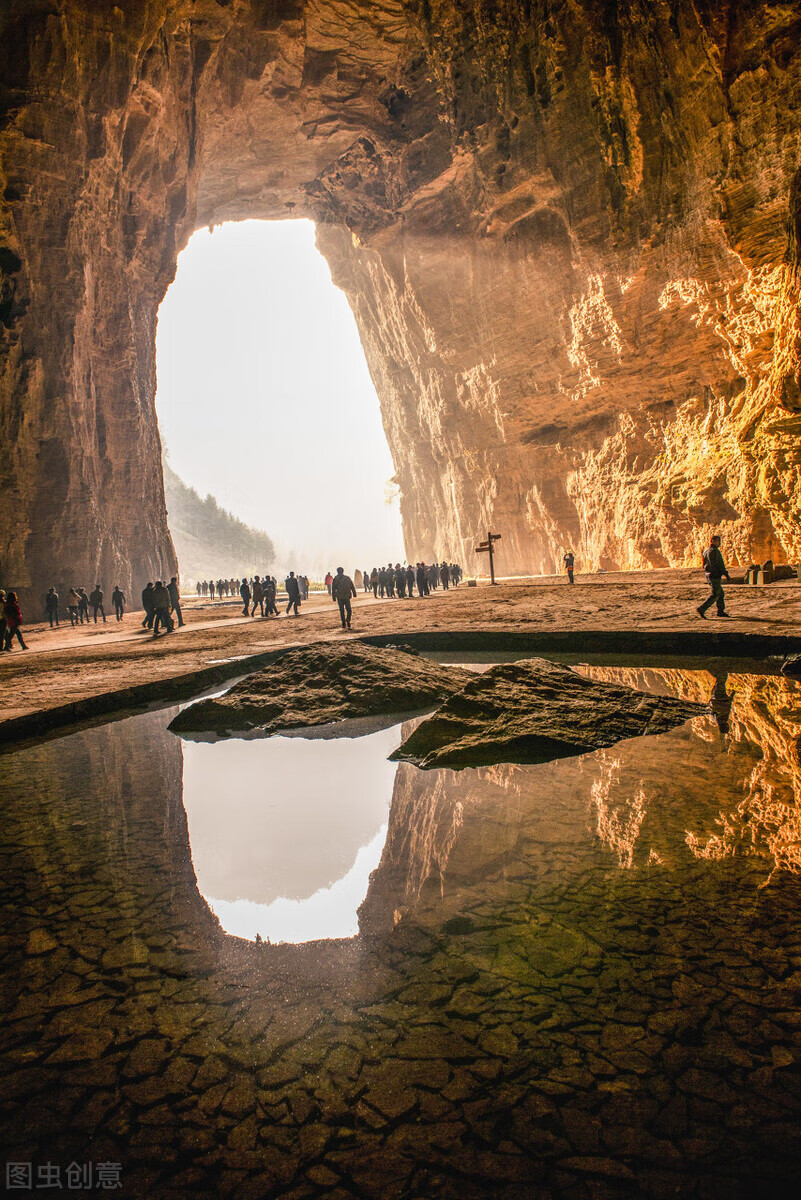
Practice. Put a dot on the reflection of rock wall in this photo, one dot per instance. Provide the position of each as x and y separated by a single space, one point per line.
694 792
564 237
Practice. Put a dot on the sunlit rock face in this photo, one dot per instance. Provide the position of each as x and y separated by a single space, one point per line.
570 239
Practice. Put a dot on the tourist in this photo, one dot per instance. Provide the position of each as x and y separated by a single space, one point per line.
400 581
258 596
329 579
175 599
569 561
269 596
410 580
73 603
13 619
292 592
118 600
445 575
148 606
161 609
341 590
96 601
366 581
211 589
422 579
199 589
375 579
51 607
83 606
245 593
715 569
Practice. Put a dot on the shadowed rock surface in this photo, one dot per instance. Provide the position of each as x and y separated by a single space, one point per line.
534 711
313 685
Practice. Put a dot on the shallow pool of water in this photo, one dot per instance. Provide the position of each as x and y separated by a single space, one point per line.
580 978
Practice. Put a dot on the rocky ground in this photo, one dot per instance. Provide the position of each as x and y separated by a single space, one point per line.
65 665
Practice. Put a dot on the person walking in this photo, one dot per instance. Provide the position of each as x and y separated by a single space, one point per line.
118 600
83 606
410 580
13 619
175 599
161 609
96 601
400 581
569 562
258 596
269 596
445 575
366 580
374 582
73 604
292 593
341 590
245 593
148 606
51 607
715 569
329 579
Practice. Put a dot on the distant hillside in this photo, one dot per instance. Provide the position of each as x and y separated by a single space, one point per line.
209 541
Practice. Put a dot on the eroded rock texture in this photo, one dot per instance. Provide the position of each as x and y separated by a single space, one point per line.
569 234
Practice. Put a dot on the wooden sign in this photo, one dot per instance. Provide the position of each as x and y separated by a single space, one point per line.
486 548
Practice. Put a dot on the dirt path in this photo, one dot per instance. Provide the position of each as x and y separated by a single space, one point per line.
64 665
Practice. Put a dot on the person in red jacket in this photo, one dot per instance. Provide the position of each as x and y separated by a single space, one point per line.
13 618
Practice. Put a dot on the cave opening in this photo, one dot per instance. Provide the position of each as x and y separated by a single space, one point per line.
265 402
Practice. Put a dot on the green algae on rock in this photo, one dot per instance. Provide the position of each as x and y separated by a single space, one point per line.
314 685
534 711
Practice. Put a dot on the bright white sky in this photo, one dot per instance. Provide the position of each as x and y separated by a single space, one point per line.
264 398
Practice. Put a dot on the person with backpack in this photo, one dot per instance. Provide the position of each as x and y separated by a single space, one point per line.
715 569
341 590
175 599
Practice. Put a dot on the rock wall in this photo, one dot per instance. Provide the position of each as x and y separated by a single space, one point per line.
569 234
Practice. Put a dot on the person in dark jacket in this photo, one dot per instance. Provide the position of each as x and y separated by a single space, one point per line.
715 569
292 593
83 607
258 596
410 580
161 609
118 600
400 581
175 599
245 593
422 579
366 580
269 596
445 575
374 582
96 601
570 562
13 619
51 606
147 605
341 590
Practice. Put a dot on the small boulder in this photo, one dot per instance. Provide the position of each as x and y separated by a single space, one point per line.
534 711
314 685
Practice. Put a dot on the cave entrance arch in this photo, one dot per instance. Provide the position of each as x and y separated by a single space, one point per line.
564 239
265 400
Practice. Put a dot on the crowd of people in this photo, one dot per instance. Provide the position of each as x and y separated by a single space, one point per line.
162 603
399 581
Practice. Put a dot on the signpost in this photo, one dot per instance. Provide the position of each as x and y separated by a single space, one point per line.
486 548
